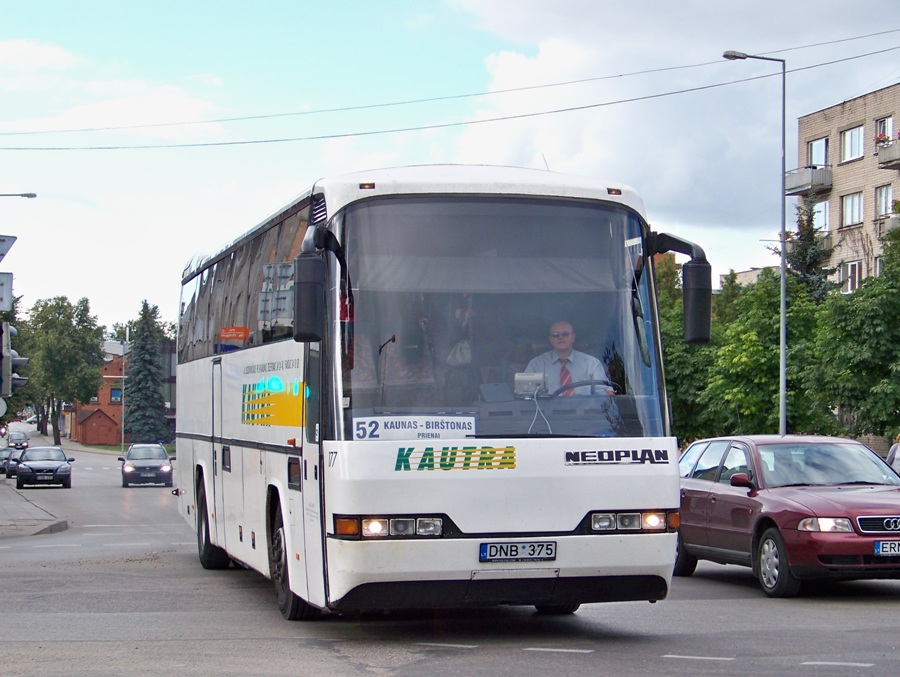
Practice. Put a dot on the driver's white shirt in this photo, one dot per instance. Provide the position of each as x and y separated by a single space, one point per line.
582 367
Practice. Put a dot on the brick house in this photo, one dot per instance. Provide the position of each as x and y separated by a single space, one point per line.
99 422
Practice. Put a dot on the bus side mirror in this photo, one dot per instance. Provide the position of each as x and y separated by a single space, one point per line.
310 277
696 284
696 281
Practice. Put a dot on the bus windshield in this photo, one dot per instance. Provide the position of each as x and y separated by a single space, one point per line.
455 310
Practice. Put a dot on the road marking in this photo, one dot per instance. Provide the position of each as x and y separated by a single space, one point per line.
60 545
537 648
448 646
839 664
699 658
117 545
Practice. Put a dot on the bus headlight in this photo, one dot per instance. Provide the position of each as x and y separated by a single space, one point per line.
374 527
603 521
355 527
429 526
652 520
403 526
628 521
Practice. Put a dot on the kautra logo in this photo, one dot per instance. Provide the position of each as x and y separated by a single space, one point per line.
272 401
454 458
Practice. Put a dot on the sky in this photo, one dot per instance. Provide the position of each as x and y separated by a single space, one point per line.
155 131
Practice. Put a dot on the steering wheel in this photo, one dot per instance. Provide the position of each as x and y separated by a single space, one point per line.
616 388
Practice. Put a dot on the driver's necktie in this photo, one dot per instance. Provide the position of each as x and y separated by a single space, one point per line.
565 378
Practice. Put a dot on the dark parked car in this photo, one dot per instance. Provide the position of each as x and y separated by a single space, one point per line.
147 464
17 439
12 461
792 508
4 454
44 465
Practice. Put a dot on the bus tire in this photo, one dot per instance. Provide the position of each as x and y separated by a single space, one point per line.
557 609
685 563
211 556
292 607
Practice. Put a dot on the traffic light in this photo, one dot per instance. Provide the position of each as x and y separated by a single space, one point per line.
11 362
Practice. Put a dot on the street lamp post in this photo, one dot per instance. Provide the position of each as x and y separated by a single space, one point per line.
125 345
782 365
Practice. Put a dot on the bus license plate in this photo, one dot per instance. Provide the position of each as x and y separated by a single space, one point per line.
887 548
530 551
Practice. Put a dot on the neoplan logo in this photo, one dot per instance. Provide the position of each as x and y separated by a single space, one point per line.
612 456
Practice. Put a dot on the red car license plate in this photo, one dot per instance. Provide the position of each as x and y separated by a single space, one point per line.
887 548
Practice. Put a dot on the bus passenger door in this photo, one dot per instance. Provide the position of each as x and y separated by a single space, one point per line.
311 474
217 522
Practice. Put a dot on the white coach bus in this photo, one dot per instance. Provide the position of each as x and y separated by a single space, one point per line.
360 418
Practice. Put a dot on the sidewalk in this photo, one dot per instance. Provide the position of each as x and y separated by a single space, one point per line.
18 515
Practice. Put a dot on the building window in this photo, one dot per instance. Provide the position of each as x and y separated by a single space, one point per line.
852 144
883 200
885 126
115 394
878 265
852 209
851 276
820 216
817 153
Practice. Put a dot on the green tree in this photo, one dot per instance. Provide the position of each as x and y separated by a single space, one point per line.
161 330
743 389
65 346
145 408
806 253
858 348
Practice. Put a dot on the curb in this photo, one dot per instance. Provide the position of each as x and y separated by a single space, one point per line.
54 528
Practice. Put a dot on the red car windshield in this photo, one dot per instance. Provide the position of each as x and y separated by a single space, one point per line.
821 463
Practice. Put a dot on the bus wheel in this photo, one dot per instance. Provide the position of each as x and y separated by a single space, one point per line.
557 609
211 556
290 605
685 563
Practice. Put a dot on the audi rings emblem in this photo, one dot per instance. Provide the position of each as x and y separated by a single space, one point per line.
892 524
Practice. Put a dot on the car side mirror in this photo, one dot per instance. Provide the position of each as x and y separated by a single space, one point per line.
70 460
121 458
742 479
172 458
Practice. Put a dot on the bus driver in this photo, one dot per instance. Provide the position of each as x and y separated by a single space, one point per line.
564 365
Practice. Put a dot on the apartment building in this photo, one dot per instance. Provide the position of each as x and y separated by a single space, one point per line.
849 157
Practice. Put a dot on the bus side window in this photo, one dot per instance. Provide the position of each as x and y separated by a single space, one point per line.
294 473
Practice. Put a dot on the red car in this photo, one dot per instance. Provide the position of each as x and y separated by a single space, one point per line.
792 508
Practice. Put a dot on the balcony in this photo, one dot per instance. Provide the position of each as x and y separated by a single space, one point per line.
825 239
812 179
889 156
890 223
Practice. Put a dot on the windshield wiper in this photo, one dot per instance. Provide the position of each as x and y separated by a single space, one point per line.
841 484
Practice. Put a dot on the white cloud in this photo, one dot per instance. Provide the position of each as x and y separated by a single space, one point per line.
25 57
